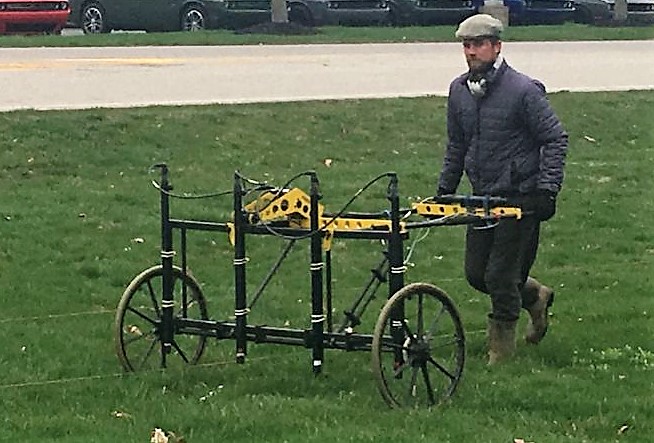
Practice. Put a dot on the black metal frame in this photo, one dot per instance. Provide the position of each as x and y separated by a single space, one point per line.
319 337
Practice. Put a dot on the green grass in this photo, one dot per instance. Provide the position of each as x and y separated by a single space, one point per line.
566 32
77 193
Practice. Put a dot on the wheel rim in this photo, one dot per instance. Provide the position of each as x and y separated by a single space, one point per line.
193 20
138 322
418 360
93 22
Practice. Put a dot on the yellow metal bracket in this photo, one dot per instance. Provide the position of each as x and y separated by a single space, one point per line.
444 210
293 203
332 225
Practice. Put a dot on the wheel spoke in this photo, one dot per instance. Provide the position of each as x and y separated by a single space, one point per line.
441 368
143 316
153 297
148 353
430 390
420 319
407 329
413 386
433 327
454 341
179 351
398 370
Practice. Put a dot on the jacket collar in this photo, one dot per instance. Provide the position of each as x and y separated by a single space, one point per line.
497 70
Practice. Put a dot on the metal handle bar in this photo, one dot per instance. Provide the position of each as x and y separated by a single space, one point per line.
471 201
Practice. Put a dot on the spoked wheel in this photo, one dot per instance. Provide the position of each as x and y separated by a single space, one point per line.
93 19
418 348
193 19
138 321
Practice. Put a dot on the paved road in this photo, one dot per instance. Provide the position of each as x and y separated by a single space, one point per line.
59 78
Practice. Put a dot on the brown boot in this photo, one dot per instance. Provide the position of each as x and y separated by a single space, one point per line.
501 340
538 313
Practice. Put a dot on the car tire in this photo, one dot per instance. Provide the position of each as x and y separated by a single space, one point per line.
93 19
193 18
393 18
300 14
583 15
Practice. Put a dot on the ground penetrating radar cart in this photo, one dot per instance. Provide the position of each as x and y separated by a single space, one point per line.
418 343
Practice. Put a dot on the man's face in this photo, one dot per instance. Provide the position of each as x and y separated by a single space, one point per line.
481 53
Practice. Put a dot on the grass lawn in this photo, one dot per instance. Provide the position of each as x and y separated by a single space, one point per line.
334 34
80 219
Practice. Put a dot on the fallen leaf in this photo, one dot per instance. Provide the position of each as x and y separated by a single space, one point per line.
589 138
120 414
328 162
158 436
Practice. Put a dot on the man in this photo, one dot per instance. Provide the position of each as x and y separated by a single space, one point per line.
503 133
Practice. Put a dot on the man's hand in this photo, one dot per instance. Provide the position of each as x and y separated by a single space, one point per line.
545 205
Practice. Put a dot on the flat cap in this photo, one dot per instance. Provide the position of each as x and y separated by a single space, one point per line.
479 25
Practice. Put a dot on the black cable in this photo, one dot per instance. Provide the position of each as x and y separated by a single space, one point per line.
331 220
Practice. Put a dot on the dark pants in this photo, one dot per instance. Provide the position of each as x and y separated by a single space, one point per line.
498 261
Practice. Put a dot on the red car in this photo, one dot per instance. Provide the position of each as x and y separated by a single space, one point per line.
33 16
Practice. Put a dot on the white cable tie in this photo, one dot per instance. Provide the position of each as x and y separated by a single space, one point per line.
317 318
396 323
398 269
241 261
168 304
317 363
167 254
241 312
317 266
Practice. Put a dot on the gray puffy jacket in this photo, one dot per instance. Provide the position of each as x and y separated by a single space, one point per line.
509 142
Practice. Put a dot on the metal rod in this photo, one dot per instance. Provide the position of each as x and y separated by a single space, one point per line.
271 273
328 287
167 252
240 310
182 246
396 267
352 317
317 313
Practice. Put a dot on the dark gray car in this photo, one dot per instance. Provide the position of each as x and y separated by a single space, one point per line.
101 16
592 12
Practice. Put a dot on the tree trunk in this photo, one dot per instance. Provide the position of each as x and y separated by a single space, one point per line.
620 11
279 13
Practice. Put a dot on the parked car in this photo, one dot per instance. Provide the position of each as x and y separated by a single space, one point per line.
540 12
431 12
428 12
638 11
33 16
592 12
100 16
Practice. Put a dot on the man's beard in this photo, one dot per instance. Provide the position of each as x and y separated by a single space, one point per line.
480 68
